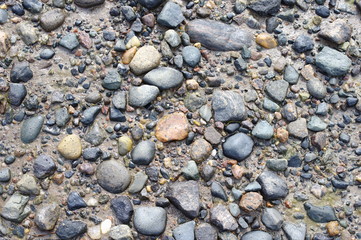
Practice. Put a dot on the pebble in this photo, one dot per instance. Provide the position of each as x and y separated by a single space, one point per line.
185 197
146 59
138 183
212 135
320 214
263 130
291 75
47 216
121 232
184 231
75 201
298 128
95 135
33 6
277 90
277 165
69 41
221 218
47 54
88 3
125 145
255 235
333 228
322 11
316 88
70 147
164 78
228 106
143 153
200 150
303 43
21 72
27 185
5 175
112 80
17 93
113 176
122 208
218 191
31 128
171 15
150 221
316 124
15 208
336 32
266 40
206 231
62 117
332 62
251 201
142 95
264 7
272 219
3 16
231 149
70 229
172 38
172 127
191 55
218 36
295 231
273 187
128 13
119 100
52 19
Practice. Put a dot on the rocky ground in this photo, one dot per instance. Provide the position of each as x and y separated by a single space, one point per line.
156 119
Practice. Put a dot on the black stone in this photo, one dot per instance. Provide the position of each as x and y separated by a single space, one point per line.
122 208
17 93
75 201
21 72
44 166
68 229
92 153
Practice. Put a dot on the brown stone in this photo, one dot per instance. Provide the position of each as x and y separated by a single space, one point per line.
200 150
85 40
280 64
149 20
282 135
212 135
319 140
58 178
251 201
337 32
87 168
237 171
307 72
333 228
128 55
172 127
266 40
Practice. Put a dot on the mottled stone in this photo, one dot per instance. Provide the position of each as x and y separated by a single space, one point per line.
266 40
221 218
228 106
172 127
70 147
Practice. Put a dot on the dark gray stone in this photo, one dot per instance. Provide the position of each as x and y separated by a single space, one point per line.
47 54
62 116
112 80
75 201
228 106
142 96
128 13
318 214
291 75
273 187
184 231
264 7
185 197
272 219
221 218
277 90
122 208
44 166
69 229
88 3
15 208
303 43
150 4
231 147
206 231
21 72
33 6
89 115
69 41
164 78
218 191
218 36
5 175
143 153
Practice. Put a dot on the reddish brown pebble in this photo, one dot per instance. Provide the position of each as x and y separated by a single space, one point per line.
172 127
251 201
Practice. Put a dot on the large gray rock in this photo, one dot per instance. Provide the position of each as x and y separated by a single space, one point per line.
228 106
164 78
27 32
218 36
113 176
142 95
185 197
15 208
295 231
257 235
150 221
332 62
31 128
273 187
47 216
272 219
171 15
231 147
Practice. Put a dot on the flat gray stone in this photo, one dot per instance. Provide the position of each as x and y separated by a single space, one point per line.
164 78
185 231
295 231
263 130
150 221
15 208
31 128
277 90
273 187
272 219
231 147
113 176
228 106
142 95
332 62
143 153
221 218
